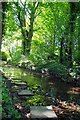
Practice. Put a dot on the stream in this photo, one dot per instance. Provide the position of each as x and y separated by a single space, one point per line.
44 86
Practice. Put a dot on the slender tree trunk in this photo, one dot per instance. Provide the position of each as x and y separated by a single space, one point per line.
72 28
54 45
66 46
79 34
30 33
0 27
4 7
61 50
2 17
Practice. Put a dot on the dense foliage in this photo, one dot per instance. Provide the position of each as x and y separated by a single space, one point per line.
43 32
8 110
43 37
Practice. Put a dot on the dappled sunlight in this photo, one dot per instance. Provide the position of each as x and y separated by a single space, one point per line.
18 106
64 108
74 90
49 107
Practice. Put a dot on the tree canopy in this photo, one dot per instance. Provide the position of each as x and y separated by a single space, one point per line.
42 31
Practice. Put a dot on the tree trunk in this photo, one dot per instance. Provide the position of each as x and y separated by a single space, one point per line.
4 7
72 28
66 46
61 50
0 27
79 34
30 33
27 34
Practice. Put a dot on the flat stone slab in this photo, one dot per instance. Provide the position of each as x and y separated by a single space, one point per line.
19 83
18 88
25 93
42 112
15 78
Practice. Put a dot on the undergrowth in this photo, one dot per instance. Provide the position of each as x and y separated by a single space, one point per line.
8 110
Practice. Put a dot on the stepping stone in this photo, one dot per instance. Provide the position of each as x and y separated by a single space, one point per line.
42 112
15 78
18 88
50 83
25 93
19 83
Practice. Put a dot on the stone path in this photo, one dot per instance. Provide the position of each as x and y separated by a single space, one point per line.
42 112
35 111
19 83
13 78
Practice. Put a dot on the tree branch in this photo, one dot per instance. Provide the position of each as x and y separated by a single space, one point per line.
36 5
37 14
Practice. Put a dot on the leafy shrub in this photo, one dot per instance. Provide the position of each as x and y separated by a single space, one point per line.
16 57
4 56
8 110
25 63
75 71
36 100
56 69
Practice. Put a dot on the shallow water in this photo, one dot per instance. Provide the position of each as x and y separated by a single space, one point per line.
53 87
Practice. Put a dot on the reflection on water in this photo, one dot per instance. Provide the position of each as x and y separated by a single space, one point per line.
54 88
